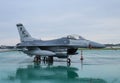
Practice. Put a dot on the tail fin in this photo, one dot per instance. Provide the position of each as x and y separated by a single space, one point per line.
24 35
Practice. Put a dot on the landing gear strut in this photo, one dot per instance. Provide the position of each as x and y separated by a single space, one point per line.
44 58
37 58
81 58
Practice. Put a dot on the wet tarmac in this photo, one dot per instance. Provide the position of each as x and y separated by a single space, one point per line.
98 66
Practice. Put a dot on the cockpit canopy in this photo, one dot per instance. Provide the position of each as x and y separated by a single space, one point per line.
75 37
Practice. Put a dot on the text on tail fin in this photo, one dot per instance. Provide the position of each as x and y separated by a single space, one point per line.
24 35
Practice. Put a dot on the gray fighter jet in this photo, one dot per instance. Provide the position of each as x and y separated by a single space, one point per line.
61 48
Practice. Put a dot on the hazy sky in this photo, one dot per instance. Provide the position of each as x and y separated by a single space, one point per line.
97 20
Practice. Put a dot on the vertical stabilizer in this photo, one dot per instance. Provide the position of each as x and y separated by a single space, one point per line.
24 35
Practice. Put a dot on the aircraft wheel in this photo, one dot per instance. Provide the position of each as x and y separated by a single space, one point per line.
68 60
37 59
50 58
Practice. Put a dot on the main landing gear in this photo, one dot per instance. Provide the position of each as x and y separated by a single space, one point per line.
50 58
37 58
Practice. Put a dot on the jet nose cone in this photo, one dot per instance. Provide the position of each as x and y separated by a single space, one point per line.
96 45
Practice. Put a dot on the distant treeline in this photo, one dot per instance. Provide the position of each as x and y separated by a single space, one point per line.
7 47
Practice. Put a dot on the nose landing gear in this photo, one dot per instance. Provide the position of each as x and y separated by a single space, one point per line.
68 60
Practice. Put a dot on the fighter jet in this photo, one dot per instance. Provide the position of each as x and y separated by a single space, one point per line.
60 48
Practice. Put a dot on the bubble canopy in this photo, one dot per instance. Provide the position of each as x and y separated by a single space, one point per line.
75 37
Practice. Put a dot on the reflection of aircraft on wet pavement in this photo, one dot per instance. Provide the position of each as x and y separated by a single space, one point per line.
52 74
61 48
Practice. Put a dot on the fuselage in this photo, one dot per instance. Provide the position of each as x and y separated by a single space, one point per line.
60 47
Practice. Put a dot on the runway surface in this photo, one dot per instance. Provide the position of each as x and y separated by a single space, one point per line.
98 66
